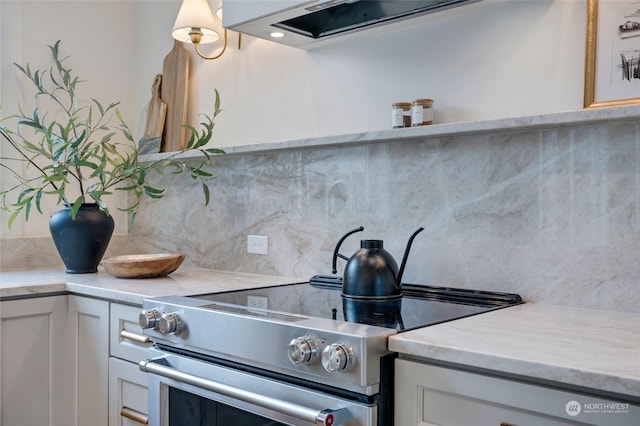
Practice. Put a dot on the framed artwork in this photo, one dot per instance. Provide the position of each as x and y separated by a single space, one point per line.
612 67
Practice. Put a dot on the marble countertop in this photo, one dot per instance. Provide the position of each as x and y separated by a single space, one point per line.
186 281
582 347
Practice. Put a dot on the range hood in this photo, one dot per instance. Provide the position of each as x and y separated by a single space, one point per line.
304 23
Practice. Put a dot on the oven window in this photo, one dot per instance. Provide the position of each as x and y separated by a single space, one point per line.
187 409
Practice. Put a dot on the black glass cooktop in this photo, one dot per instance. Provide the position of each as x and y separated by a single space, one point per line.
420 305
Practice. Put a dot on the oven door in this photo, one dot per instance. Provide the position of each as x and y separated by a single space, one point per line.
188 391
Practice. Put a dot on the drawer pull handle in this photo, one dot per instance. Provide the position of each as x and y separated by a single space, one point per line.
507 424
134 415
133 336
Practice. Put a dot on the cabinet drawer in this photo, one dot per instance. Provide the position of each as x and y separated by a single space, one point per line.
128 394
450 397
125 335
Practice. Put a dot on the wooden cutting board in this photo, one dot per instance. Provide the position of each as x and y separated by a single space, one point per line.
175 93
156 113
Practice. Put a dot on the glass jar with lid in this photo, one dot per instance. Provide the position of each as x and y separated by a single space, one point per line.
422 112
401 115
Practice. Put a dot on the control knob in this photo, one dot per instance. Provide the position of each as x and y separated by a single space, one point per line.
302 350
170 323
149 318
337 357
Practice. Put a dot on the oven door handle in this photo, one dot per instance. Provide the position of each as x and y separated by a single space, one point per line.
326 417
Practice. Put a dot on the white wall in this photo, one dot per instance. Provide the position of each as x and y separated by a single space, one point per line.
485 60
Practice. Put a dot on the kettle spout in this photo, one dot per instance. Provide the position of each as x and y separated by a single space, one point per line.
406 255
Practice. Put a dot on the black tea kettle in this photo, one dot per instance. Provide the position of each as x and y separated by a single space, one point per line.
372 273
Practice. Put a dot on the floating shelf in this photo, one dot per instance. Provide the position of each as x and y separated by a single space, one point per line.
533 122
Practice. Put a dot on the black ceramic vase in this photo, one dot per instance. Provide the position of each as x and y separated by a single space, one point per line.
82 242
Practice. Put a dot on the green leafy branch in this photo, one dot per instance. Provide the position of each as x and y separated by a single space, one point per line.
75 148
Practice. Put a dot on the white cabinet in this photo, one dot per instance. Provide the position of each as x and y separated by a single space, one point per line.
126 337
127 384
32 353
429 395
88 359
128 394
73 361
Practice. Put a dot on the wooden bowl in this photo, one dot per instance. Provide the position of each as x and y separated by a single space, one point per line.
143 265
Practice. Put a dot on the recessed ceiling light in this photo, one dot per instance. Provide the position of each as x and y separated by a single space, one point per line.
277 34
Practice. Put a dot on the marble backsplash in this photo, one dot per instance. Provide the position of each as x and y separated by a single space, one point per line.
552 214
40 252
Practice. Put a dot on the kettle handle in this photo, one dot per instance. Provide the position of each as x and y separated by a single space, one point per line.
337 255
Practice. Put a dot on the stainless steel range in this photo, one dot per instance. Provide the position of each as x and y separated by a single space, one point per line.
299 354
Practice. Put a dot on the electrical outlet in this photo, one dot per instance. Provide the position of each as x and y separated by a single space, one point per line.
258 302
258 244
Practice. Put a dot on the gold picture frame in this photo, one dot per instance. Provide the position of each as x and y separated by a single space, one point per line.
604 54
